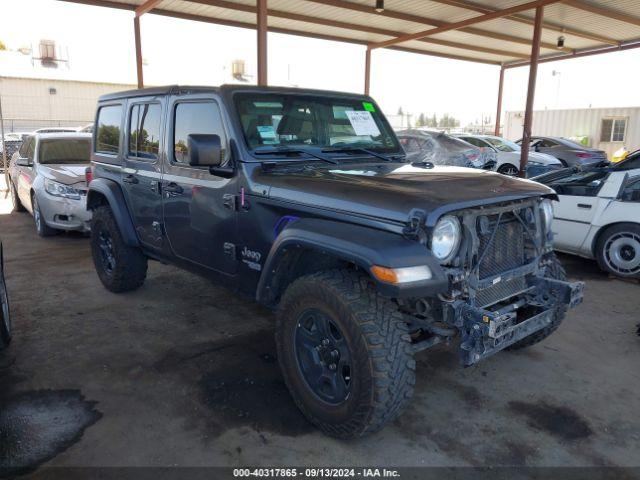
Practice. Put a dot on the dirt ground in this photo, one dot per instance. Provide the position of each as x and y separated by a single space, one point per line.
183 373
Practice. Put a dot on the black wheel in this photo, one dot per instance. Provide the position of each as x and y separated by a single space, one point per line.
15 200
618 250
5 318
555 271
508 169
345 353
42 228
121 268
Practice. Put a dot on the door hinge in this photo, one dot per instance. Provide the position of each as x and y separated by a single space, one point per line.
230 201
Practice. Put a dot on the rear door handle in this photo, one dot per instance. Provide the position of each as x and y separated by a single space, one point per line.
173 189
130 179
584 205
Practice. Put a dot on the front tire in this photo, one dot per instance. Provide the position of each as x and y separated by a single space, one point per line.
345 353
15 200
120 267
508 169
42 228
556 271
618 250
5 318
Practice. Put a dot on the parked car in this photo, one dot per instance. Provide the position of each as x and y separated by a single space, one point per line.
304 201
567 151
56 130
508 156
442 149
11 142
598 215
47 177
5 318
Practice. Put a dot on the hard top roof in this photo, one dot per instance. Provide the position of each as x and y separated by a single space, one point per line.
228 88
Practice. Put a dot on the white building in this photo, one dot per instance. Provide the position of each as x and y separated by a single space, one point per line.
607 129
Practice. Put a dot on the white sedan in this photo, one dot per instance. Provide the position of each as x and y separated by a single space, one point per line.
598 215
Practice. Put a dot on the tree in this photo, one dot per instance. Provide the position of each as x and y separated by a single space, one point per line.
433 121
400 112
421 121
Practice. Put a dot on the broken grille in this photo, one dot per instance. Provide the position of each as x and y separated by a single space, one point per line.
501 245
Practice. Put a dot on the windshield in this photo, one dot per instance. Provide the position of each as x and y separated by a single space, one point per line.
296 121
64 151
503 145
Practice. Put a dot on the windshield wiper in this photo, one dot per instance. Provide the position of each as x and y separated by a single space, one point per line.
278 150
358 149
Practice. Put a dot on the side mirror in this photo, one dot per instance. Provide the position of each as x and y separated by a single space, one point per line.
536 147
23 162
635 196
205 150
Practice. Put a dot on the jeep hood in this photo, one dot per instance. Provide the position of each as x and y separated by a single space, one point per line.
392 191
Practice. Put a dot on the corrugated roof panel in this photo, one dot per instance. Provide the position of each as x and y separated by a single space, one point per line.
369 26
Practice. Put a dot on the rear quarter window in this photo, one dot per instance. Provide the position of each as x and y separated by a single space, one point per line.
108 129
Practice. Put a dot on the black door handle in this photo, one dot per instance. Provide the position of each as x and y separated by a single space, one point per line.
173 189
130 179
584 205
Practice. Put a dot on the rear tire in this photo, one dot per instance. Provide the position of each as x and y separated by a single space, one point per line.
15 200
557 272
120 267
42 228
618 250
361 374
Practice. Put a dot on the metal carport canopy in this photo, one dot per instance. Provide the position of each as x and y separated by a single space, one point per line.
505 33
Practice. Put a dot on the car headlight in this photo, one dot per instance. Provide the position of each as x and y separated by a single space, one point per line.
61 190
547 214
446 238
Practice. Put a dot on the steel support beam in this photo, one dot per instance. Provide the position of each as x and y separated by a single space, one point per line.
146 7
136 33
367 71
465 23
499 109
475 7
533 72
262 42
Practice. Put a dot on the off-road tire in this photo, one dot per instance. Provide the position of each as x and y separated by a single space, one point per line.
15 200
601 247
556 271
383 373
42 229
5 319
130 268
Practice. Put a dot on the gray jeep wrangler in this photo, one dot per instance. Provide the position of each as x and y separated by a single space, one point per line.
304 201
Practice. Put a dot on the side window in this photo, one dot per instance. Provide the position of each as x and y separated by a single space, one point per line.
108 134
144 131
546 143
474 141
631 192
24 147
195 117
31 149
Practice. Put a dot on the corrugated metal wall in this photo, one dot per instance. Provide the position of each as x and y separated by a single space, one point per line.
29 104
578 122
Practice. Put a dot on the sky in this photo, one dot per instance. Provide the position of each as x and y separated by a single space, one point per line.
101 48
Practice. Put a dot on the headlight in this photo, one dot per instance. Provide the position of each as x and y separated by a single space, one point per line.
61 190
446 238
547 214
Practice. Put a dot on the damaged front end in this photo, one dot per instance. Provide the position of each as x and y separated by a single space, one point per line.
504 283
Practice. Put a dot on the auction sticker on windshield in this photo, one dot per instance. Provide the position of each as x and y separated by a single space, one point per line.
363 123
